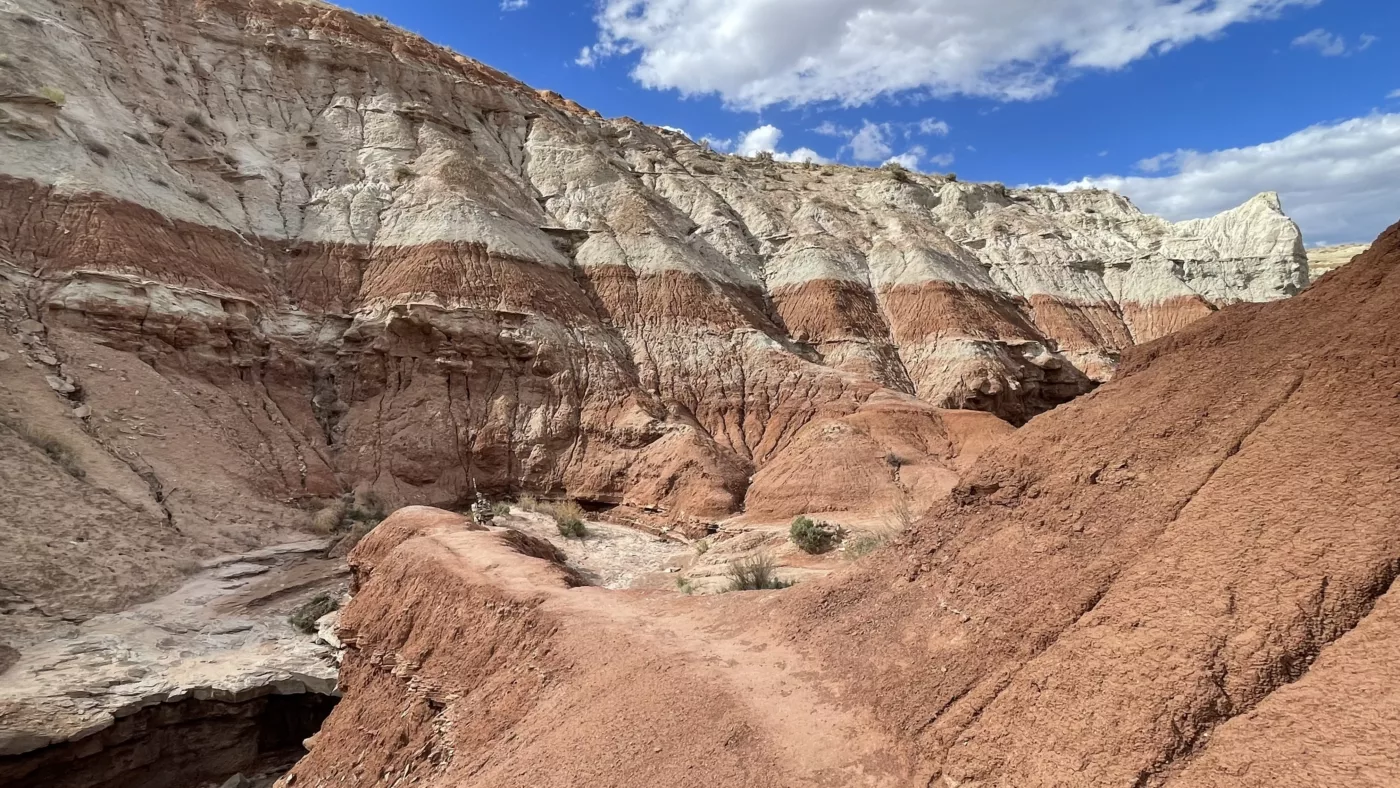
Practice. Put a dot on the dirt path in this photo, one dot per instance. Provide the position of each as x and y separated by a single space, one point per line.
823 741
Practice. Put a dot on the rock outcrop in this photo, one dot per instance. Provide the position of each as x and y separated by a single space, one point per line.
1169 582
338 254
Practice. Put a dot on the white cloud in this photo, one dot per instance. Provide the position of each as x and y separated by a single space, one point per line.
852 51
1327 44
1394 94
1330 44
832 130
941 160
871 143
764 139
1339 181
932 127
586 58
513 5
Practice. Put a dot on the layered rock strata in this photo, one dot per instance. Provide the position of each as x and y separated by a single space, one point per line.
408 269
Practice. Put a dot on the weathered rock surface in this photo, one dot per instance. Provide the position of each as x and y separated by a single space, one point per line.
1185 578
337 254
198 683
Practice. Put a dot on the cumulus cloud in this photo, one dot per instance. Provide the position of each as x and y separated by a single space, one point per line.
852 51
764 139
871 143
1330 44
1339 181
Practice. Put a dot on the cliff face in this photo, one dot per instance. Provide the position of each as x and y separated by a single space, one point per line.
341 254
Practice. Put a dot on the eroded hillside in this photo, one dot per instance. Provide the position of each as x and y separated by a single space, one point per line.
1182 579
422 275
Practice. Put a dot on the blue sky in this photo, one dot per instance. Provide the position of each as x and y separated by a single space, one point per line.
1187 106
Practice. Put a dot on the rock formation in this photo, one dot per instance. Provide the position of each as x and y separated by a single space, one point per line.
337 254
1182 579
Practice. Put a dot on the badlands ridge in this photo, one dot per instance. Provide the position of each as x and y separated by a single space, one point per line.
256 255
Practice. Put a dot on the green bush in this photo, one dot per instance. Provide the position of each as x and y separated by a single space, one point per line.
568 518
304 618
756 573
500 508
813 536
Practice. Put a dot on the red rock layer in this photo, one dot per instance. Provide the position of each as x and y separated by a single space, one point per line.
1154 321
941 309
894 450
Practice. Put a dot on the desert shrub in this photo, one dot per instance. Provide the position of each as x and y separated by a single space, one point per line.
58 451
896 171
54 95
367 507
500 508
813 536
684 586
863 545
568 518
702 547
198 195
528 502
901 517
329 519
194 120
97 147
895 460
304 618
755 573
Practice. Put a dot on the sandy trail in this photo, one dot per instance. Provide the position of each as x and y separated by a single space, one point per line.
819 739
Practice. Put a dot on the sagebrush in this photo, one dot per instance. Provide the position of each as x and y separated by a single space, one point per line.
755 573
813 536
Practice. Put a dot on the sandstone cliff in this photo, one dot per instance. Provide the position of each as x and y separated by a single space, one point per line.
1185 578
324 252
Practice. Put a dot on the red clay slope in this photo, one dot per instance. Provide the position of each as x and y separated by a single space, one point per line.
1183 579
